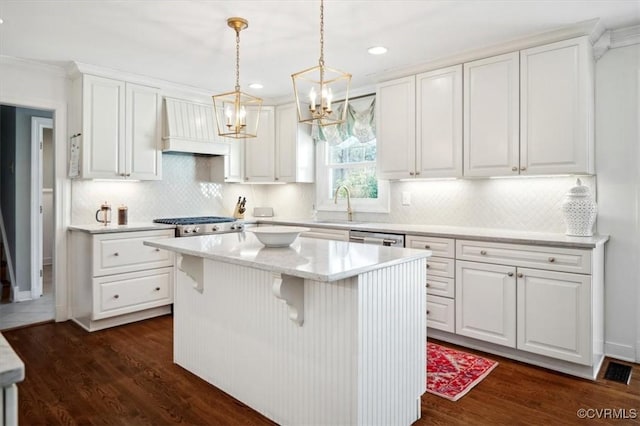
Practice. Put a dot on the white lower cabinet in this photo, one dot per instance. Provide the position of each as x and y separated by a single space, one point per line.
486 302
440 285
554 314
116 279
538 300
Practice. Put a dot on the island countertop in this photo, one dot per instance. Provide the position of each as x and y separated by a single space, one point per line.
316 259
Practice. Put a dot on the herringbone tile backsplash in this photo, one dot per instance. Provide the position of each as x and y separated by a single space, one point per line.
531 204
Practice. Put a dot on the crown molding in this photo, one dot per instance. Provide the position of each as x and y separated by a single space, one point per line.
592 28
13 61
612 39
627 36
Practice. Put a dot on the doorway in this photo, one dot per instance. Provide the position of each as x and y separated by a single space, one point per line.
27 199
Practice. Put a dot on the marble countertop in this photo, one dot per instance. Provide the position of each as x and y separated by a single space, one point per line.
459 232
11 366
316 259
101 229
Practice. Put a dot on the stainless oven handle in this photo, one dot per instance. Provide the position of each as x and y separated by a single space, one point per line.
384 240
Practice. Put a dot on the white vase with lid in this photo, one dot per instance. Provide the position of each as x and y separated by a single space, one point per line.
580 210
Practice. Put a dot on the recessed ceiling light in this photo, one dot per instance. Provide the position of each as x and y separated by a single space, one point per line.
256 86
1 21
377 50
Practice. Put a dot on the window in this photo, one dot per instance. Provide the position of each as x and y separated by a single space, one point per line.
346 155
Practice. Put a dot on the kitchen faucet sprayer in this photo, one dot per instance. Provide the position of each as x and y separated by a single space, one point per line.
335 200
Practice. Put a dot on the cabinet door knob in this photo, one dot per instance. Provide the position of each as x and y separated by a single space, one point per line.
157 288
514 169
510 274
157 249
523 168
427 246
483 252
116 254
246 178
552 259
428 312
428 266
520 275
411 173
276 178
116 296
428 285
417 173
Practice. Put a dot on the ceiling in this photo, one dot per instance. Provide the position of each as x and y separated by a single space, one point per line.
188 41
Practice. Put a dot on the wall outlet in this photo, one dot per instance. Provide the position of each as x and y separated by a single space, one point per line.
406 198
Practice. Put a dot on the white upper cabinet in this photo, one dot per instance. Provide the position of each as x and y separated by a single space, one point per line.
491 116
294 147
396 128
530 112
556 116
143 157
282 152
439 123
120 125
259 152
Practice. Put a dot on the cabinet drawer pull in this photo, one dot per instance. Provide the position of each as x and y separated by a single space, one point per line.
427 246
277 178
116 254
483 252
523 169
520 275
116 296
514 169
157 249
157 288
552 259
510 274
417 173
411 173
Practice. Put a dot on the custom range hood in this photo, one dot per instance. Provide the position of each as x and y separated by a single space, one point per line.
190 127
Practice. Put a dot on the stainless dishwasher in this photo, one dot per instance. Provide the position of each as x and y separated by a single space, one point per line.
378 238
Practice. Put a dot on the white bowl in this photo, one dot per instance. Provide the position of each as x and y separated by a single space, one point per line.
277 236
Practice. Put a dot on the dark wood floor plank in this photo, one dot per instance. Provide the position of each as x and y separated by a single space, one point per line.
125 376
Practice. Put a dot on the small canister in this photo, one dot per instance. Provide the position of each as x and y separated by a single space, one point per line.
123 214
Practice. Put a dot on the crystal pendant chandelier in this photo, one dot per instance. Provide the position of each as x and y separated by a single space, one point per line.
316 87
236 112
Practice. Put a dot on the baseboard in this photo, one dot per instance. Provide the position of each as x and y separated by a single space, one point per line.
621 352
638 351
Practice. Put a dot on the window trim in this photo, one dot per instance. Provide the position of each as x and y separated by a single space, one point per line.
364 205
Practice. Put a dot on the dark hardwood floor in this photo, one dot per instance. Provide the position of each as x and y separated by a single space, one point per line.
125 376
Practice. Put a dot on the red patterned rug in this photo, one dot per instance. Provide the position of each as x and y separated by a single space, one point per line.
451 373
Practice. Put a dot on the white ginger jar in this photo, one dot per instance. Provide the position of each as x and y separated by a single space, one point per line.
580 210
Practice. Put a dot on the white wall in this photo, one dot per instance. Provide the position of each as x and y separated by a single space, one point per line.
617 167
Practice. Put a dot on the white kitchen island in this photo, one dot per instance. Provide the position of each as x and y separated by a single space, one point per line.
319 333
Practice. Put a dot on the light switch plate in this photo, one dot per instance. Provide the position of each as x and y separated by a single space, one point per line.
406 198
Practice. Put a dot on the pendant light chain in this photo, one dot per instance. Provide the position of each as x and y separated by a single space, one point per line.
321 33
237 59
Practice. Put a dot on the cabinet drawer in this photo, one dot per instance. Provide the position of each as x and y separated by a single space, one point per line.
443 247
125 252
541 257
441 313
327 234
125 293
441 267
440 286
